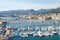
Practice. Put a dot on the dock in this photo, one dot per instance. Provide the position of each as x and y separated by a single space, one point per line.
1 37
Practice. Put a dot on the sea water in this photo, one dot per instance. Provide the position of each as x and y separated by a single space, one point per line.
54 37
34 24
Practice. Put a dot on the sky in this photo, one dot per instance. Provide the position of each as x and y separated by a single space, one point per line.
28 4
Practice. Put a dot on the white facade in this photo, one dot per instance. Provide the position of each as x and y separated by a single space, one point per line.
55 17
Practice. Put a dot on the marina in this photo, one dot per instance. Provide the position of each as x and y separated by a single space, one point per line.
9 29
10 32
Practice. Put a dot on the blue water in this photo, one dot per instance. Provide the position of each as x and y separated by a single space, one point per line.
55 37
33 24
8 18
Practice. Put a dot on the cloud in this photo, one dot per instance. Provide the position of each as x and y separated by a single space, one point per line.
19 4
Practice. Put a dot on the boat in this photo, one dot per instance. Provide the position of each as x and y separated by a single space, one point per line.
38 34
37 28
59 33
0 22
44 28
54 32
11 35
35 35
23 35
21 29
47 34
30 33
30 28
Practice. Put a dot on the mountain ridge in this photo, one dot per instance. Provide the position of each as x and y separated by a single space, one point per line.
31 11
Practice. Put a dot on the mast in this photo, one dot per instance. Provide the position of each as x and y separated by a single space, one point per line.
29 18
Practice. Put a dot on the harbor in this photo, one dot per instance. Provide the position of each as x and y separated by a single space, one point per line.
24 29
27 32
